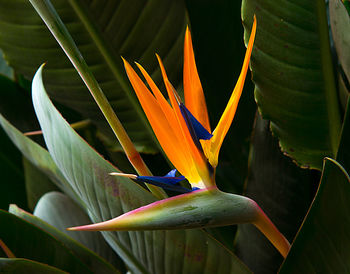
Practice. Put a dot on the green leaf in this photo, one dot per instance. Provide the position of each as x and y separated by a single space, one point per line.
37 155
16 265
28 241
283 190
322 244
103 31
105 197
340 24
4 68
53 207
343 153
293 76
37 183
12 180
91 259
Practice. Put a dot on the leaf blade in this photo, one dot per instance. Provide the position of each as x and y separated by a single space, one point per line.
292 71
324 234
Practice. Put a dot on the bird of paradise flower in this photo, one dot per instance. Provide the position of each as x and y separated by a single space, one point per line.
185 135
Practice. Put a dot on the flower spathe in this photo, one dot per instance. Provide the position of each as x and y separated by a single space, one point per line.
176 124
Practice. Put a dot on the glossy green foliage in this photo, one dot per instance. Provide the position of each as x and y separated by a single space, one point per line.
322 244
282 190
116 27
293 76
54 204
28 241
91 259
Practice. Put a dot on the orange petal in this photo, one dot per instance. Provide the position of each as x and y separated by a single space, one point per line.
160 125
230 110
194 96
169 114
199 166
167 110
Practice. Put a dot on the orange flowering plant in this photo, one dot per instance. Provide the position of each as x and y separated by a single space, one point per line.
232 200
184 133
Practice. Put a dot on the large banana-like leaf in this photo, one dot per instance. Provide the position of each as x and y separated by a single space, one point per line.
322 244
282 189
292 71
105 197
103 30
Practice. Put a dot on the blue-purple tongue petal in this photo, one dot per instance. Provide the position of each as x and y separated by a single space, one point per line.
191 121
171 173
166 182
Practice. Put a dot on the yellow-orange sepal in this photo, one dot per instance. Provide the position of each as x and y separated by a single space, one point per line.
212 146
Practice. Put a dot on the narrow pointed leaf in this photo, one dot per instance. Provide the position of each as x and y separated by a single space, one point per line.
325 232
293 75
105 197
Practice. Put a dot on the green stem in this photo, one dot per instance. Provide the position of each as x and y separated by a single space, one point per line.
54 23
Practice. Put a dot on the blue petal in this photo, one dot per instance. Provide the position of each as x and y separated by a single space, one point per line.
171 173
161 179
165 182
191 121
